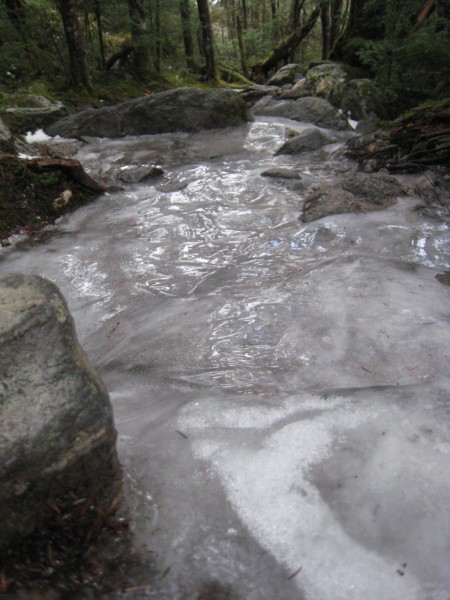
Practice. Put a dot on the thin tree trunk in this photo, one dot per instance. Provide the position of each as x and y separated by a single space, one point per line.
325 20
185 13
242 51
98 20
78 68
158 40
244 15
140 37
207 40
336 19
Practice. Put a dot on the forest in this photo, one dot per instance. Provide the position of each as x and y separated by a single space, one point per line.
86 52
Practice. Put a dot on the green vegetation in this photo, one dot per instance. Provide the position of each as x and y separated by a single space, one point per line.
90 52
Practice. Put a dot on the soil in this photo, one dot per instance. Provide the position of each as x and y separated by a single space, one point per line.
31 193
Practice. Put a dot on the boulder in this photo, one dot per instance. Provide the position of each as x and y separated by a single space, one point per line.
137 173
181 109
364 100
308 140
310 110
28 112
327 80
57 437
358 193
288 74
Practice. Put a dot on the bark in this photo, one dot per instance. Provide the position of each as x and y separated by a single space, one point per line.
78 67
185 13
242 50
158 36
98 20
207 40
281 53
140 37
336 18
325 19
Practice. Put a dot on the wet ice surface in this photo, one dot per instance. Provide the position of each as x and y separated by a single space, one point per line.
280 389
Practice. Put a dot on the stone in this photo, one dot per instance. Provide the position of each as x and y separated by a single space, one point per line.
181 109
310 110
57 436
29 112
359 193
328 80
288 74
308 140
364 101
137 173
282 173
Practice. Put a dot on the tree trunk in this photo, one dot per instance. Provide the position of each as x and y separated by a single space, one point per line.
207 40
158 38
281 53
140 37
98 20
242 51
185 13
325 19
336 18
78 68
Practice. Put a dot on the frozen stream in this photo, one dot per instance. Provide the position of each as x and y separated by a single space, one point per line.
280 389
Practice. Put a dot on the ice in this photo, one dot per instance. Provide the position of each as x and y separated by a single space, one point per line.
280 389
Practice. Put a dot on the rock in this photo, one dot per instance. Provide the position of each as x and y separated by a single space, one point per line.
310 110
359 193
364 100
298 90
182 109
307 140
6 139
255 92
28 112
134 174
327 80
282 173
57 437
287 74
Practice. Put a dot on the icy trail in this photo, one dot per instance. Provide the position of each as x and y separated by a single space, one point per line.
280 390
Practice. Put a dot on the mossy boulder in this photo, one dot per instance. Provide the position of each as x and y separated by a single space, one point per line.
288 74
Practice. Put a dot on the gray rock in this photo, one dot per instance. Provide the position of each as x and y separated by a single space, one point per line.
282 173
134 174
287 74
358 193
364 100
307 140
182 109
328 80
57 437
310 110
